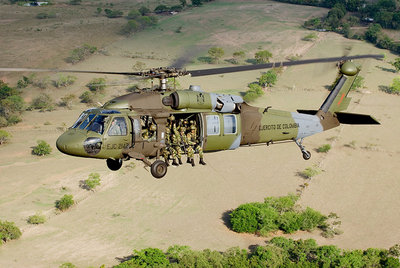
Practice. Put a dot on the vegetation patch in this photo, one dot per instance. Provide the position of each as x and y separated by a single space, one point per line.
64 81
38 218
91 182
324 148
43 102
276 213
97 84
42 148
65 202
81 53
278 252
11 105
4 136
310 172
8 231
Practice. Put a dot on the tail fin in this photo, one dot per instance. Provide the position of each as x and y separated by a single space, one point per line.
337 100
330 113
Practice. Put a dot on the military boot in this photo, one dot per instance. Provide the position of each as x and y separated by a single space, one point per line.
202 162
188 160
192 161
166 162
174 162
179 161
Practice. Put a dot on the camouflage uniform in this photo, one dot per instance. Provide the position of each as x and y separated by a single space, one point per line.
176 150
196 145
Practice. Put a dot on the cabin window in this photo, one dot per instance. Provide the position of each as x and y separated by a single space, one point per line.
230 124
117 127
212 125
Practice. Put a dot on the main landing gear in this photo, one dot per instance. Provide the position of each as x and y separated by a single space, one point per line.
114 164
306 154
158 169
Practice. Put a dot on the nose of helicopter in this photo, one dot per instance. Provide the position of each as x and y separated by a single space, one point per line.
71 143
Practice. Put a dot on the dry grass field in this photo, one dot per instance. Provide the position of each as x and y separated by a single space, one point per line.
132 210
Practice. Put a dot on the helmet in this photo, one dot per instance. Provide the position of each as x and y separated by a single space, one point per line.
153 127
192 127
171 117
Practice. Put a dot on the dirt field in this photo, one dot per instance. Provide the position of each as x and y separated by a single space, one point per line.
132 210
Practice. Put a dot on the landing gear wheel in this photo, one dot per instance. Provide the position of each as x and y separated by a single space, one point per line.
114 164
306 155
158 169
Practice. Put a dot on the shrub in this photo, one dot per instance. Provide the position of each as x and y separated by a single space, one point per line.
358 83
80 53
238 56
64 81
87 97
38 218
113 13
149 257
216 53
41 83
8 231
67 101
44 15
311 219
75 2
67 265
144 10
92 181
96 84
324 148
4 136
253 93
43 102
394 87
310 172
310 37
245 218
161 9
43 148
133 14
25 81
65 202
11 105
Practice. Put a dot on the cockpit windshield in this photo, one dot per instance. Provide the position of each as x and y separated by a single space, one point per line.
86 121
97 124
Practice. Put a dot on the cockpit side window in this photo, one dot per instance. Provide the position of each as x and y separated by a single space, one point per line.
79 121
97 125
86 121
118 127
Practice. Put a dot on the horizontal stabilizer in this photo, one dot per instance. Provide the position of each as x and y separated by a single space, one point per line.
356 119
311 112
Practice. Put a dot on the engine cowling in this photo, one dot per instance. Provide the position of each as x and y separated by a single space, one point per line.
223 103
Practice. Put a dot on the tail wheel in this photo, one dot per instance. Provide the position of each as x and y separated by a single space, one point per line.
114 164
158 169
306 155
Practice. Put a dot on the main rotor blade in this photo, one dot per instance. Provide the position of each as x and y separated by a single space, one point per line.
225 70
66 71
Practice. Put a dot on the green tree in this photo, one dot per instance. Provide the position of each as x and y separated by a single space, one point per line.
262 56
268 79
183 3
161 9
373 32
238 56
65 202
216 53
42 148
113 13
196 3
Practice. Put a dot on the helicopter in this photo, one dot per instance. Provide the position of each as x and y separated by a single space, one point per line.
115 131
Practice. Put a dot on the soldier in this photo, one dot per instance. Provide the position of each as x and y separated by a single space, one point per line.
196 145
176 151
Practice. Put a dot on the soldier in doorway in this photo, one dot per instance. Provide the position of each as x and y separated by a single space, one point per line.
193 140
